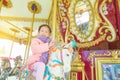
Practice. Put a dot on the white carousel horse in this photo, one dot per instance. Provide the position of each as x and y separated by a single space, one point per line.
59 63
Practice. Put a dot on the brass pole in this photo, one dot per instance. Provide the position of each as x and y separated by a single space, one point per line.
27 29
30 36
15 26
15 31
12 45
92 69
1 2
25 54
54 18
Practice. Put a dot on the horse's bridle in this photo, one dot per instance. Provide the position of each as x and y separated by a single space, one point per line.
60 63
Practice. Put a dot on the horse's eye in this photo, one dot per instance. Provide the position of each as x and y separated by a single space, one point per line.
67 54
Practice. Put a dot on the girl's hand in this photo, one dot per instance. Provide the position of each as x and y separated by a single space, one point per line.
52 44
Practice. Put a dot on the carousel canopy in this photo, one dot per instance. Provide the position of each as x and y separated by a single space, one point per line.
18 16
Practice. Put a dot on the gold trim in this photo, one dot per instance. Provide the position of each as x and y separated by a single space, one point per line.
95 54
96 11
16 26
100 61
4 35
54 18
14 30
92 43
24 19
51 9
114 53
62 17
107 25
119 5
1 1
77 66
73 28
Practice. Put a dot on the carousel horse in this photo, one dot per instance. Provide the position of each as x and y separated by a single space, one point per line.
5 68
7 71
59 63
21 75
17 65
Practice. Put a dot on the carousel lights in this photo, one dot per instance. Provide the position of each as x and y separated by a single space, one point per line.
34 7
6 3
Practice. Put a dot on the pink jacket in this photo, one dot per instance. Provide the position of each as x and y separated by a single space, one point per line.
38 47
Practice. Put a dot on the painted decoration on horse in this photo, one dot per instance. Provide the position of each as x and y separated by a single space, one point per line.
59 63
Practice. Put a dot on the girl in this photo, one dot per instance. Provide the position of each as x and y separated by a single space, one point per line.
40 47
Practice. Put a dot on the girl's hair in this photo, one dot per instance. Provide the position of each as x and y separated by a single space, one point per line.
44 25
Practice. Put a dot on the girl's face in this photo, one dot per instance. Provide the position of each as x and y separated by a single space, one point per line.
44 31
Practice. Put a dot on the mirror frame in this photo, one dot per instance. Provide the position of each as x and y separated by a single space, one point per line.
91 29
99 23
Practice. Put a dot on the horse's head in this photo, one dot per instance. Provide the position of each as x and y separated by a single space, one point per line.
62 57
67 58
5 64
18 61
59 62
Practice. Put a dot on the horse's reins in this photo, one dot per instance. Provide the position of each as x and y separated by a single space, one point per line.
60 63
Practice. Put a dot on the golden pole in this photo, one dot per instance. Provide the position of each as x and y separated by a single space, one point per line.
35 8
25 51
119 5
1 1
15 26
12 45
54 18
92 69
15 31
30 36
25 55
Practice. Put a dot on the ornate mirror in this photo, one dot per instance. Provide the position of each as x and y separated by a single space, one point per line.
83 19
89 22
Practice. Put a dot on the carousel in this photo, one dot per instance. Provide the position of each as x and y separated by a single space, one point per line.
90 27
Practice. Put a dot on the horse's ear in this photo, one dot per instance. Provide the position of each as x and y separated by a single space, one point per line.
54 49
71 50
72 44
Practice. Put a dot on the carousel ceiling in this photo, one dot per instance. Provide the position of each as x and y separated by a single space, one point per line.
17 16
